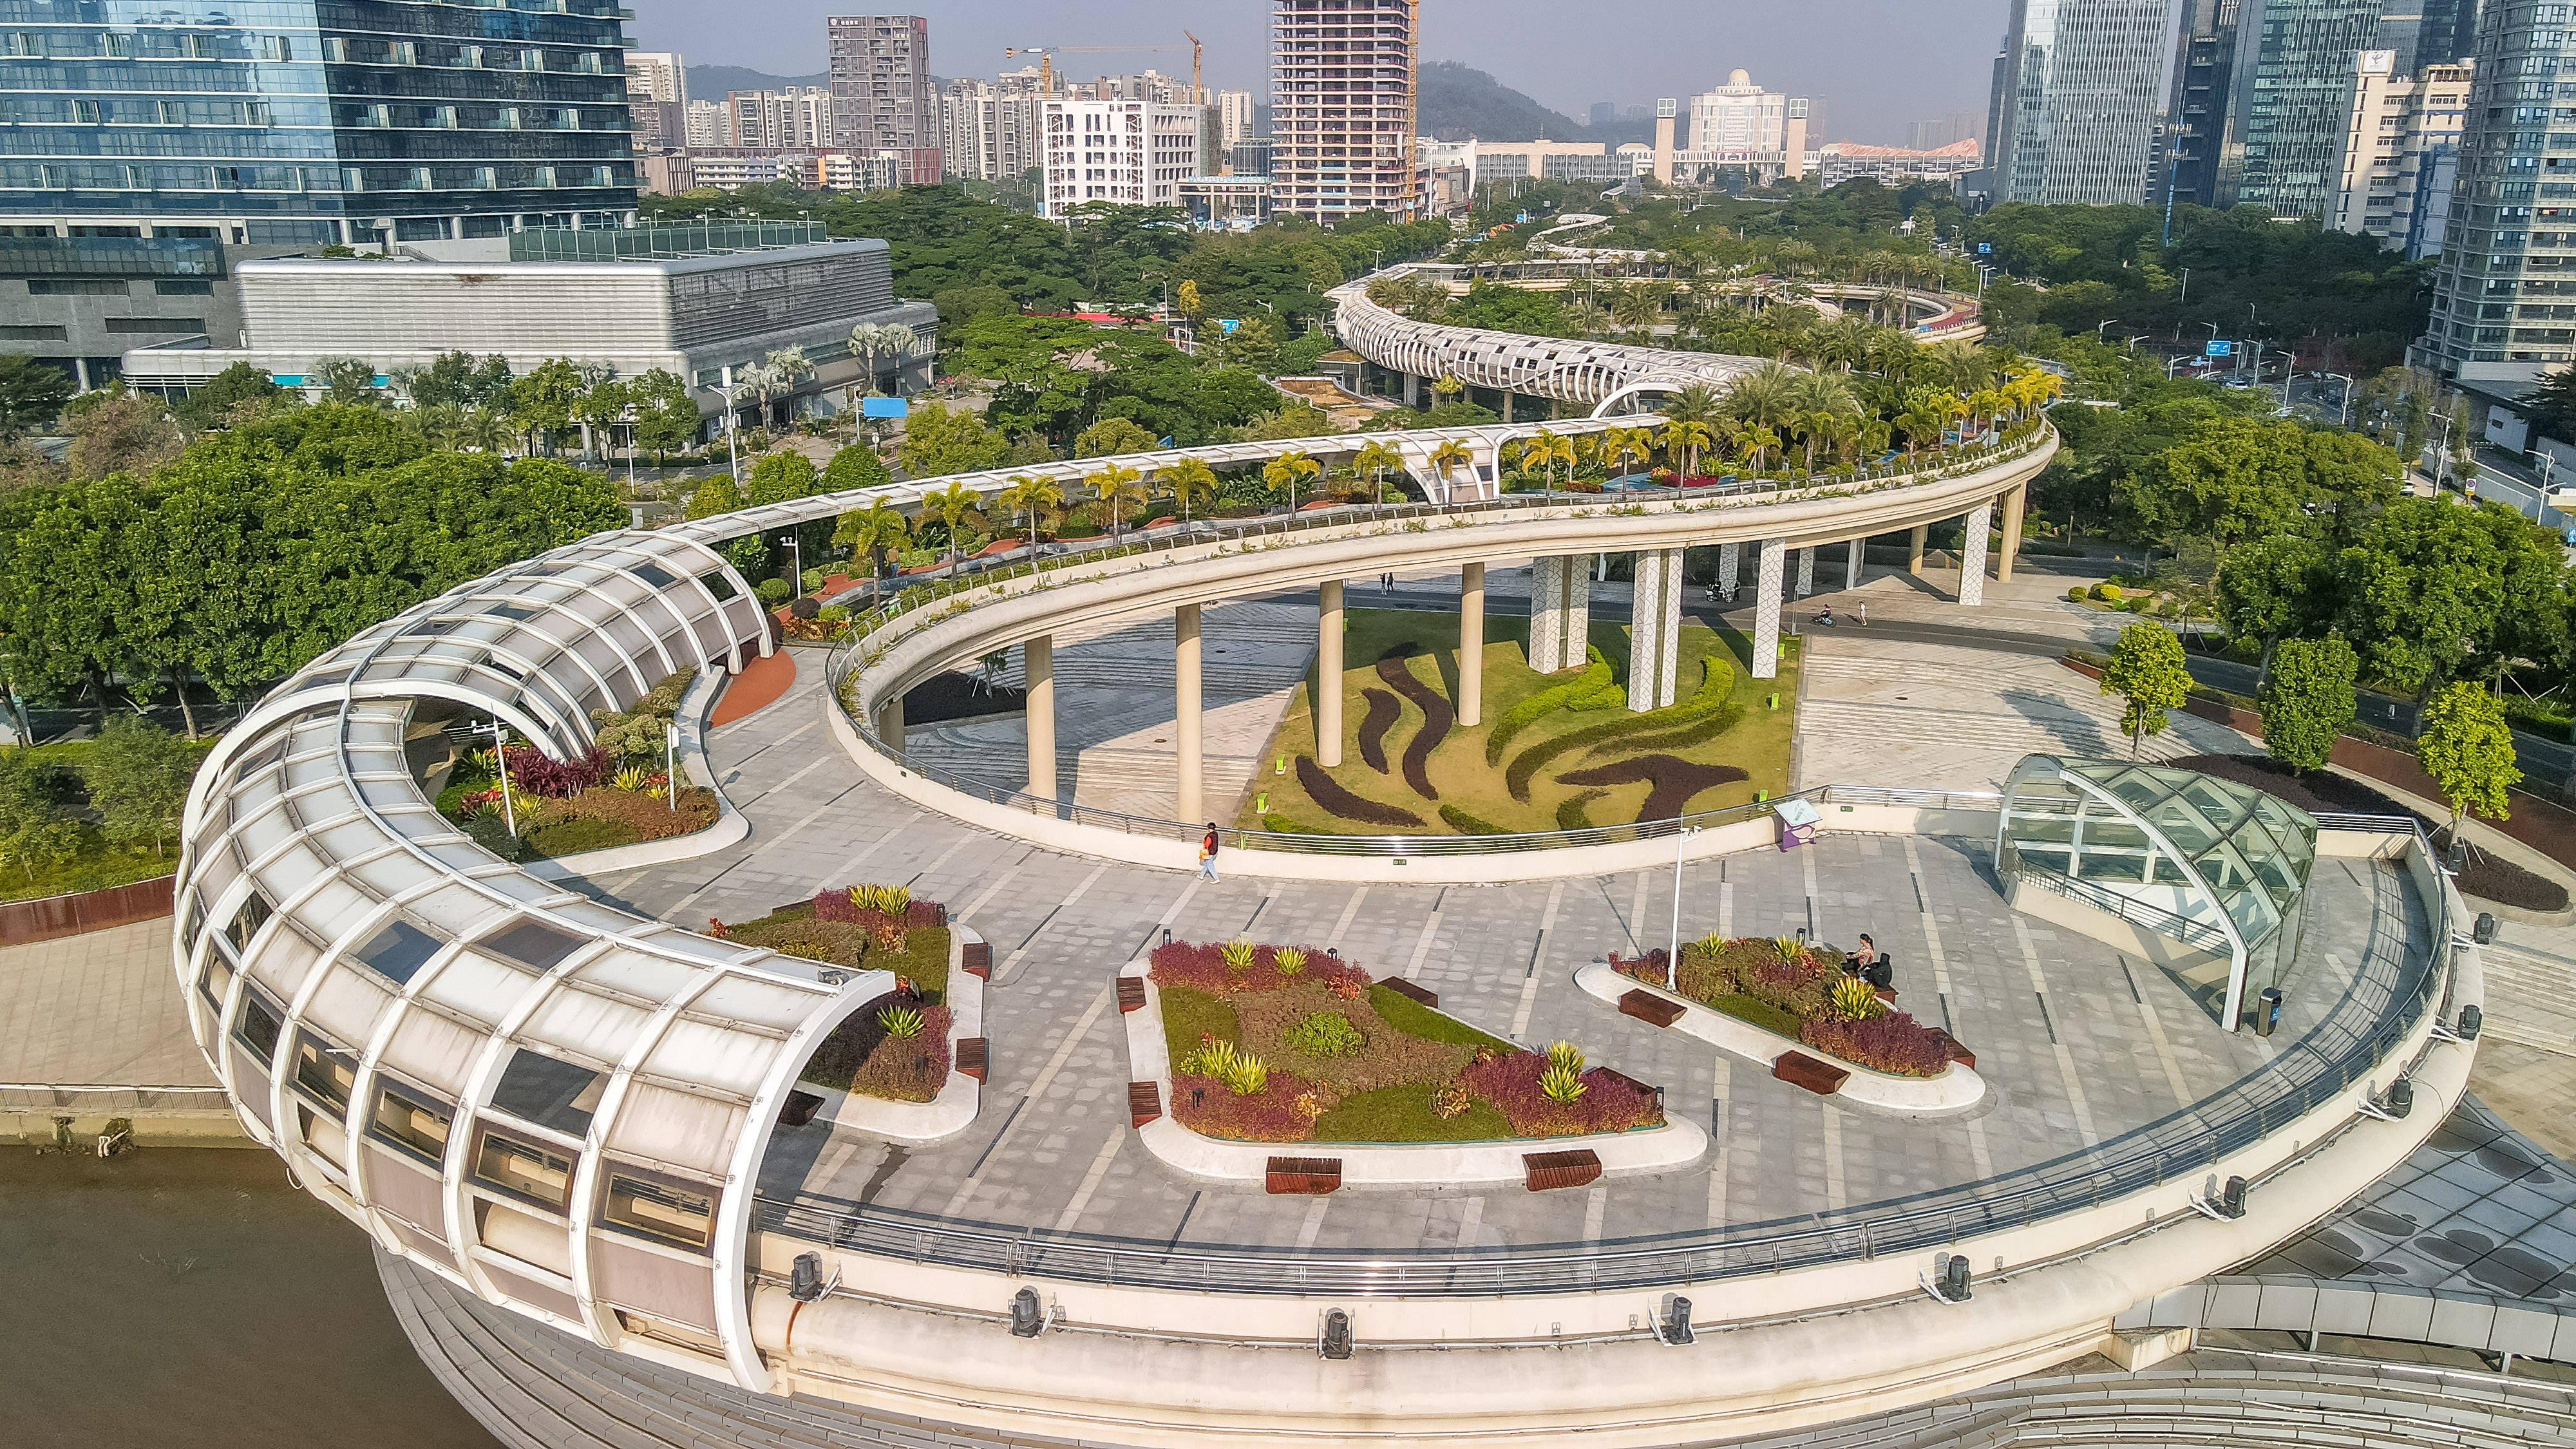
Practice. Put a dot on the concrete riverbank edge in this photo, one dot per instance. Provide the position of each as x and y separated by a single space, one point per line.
1957 1089
1677 1144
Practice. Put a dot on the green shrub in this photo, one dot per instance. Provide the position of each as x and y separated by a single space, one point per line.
2076 594
1717 682
2107 593
1324 1034
1466 824
772 592
493 834
1595 680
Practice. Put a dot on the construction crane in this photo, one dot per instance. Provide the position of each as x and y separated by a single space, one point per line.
1046 55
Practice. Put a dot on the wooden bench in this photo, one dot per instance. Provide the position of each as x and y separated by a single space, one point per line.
1548 1171
1131 994
1302 1176
1411 992
1649 1008
972 1054
1144 1103
1801 1070
1957 1053
979 959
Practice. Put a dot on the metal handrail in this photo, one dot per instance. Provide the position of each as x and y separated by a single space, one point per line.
2351 1043
2169 924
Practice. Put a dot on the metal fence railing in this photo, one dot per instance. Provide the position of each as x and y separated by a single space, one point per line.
2386 999
2173 926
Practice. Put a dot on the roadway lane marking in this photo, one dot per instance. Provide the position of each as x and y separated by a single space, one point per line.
1529 982
1037 1090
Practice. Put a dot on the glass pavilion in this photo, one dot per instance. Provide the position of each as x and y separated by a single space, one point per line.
2213 864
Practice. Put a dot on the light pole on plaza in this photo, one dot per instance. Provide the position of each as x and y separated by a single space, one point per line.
1673 963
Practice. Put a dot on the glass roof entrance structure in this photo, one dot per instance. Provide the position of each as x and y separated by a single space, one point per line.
2210 863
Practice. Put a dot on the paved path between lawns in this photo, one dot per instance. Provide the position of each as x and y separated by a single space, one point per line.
98 1009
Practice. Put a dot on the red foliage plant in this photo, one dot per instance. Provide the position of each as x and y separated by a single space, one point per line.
531 771
1206 1105
835 905
1202 965
1895 1043
1610 1103
1653 967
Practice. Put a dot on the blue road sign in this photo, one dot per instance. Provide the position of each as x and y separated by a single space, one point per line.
1985 249
2220 347
884 407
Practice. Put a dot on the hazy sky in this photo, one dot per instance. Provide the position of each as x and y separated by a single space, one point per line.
1878 63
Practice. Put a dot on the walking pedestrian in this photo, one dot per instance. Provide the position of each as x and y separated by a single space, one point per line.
1207 854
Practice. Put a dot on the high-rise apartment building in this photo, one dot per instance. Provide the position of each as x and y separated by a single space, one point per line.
1950 130
2294 66
2196 115
881 94
657 97
796 117
1343 75
2504 297
988 130
1233 116
2074 114
2401 152
707 123
295 122
1124 153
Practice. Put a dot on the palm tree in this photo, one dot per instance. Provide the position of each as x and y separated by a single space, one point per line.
1758 441
1548 450
1448 455
1766 396
953 505
1283 472
879 528
787 366
1620 446
1189 479
1696 403
1923 418
869 341
1682 438
1115 485
1963 365
1589 318
1839 343
1374 459
1033 496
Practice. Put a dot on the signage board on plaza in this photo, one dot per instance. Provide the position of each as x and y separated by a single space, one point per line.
884 407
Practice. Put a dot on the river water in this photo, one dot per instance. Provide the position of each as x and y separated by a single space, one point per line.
190 1297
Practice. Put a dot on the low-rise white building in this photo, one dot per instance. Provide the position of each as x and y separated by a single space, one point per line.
2401 148
1841 161
1124 153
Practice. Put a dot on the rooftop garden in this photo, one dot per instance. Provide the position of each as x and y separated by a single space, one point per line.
1554 751
1283 1044
1799 991
616 795
896 1046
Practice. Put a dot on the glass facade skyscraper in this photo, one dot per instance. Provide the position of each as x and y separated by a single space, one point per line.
2075 102
2283 146
2504 297
280 122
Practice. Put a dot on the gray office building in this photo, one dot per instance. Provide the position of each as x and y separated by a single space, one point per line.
2075 107
2502 315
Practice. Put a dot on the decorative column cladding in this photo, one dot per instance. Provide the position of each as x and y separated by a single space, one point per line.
1560 612
1655 607
1328 675
1729 562
1187 791
1972 565
1852 562
1806 571
1471 643
1037 676
1766 616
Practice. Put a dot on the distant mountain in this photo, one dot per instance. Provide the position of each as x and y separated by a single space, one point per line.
1458 101
713 82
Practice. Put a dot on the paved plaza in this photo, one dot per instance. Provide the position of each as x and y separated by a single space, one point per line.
99 1009
2079 1044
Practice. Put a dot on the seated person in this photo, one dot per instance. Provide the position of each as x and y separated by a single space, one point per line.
1858 962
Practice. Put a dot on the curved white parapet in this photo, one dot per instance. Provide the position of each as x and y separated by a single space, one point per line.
1677 1144
923 1124
1955 1090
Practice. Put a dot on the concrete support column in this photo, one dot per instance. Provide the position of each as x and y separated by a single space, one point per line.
1766 615
1914 549
1186 789
1471 643
1560 612
1859 547
1729 563
890 722
1972 565
1806 571
2013 505
1328 675
1655 607
1037 676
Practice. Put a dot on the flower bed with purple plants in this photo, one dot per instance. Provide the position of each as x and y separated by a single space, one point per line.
1283 1044
1796 990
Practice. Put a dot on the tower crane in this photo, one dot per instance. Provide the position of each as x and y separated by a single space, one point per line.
1046 55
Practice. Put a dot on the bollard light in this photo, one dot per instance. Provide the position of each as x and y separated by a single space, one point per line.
2231 1198
1335 1341
2400 1099
1028 1316
2470 1020
805 1281
1673 1327
1956 1278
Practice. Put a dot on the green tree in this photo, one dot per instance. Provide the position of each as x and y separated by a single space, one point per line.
32 393
544 400
1286 471
780 477
937 441
1111 436
2309 700
603 405
2272 588
856 466
137 773
2434 592
1192 482
348 381
34 830
2465 745
119 432
954 505
666 415
1254 343
2147 671
212 405
1031 496
716 495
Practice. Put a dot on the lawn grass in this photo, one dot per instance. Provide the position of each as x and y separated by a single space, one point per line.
1760 1013
572 837
1758 744
1403 1114
99 866
1415 1019
1190 1015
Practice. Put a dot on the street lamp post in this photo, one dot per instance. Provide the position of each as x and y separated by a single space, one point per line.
2347 395
796 552
1673 963
501 767
733 452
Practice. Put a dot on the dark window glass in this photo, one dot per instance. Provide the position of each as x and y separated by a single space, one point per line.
254 913
399 951
258 1028
323 1072
413 1121
532 943
548 1091
654 574
719 584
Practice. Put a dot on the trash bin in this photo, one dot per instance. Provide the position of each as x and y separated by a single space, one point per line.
2483 930
2267 1011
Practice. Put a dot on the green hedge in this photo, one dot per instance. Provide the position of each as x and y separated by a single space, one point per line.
1466 824
1594 683
1717 682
